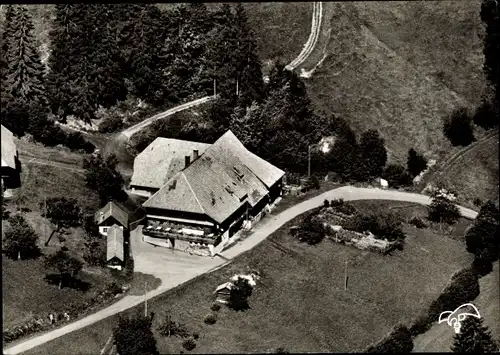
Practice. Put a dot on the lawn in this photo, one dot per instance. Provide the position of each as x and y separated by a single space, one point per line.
401 67
42 181
26 293
300 303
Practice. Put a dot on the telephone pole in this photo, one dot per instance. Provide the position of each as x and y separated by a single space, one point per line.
309 161
145 299
215 80
45 215
345 277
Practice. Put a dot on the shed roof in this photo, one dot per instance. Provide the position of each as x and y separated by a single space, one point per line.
227 285
8 149
161 160
111 210
115 243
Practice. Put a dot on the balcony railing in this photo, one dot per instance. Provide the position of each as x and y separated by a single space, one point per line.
179 236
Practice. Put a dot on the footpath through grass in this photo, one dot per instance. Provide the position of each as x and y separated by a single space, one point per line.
300 302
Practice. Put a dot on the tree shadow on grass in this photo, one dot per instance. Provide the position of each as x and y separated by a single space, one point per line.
75 284
31 254
240 306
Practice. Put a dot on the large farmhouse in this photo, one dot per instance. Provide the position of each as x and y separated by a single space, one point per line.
10 161
168 157
200 207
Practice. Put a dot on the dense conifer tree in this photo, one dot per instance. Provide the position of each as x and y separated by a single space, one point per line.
24 74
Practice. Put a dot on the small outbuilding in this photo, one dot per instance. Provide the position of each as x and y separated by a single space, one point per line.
11 166
109 215
223 292
115 253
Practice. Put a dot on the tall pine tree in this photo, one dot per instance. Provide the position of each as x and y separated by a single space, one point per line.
68 37
24 74
474 337
85 64
248 65
142 34
187 68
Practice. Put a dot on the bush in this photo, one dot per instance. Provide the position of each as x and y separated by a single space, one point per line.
486 115
111 124
326 203
343 207
458 128
75 141
397 176
398 341
416 163
463 288
311 230
189 344
418 222
477 202
196 336
210 318
215 307
443 210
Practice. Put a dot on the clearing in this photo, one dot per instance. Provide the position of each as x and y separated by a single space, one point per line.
300 302
401 67
474 174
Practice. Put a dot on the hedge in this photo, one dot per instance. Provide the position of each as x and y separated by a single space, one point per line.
398 341
41 322
463 288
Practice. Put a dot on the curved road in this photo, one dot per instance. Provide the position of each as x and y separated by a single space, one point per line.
449 162
313 37
263 230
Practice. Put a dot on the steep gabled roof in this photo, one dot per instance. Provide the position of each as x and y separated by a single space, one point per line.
265 171
176 195
111 210
115 243
8 148
161 160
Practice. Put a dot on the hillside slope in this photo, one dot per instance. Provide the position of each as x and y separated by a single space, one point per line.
401 67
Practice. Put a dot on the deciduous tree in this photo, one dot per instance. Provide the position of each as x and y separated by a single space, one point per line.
311 231
373 153
416 163
20 240
458 128
95 244
239 294
103 177
442 208
133 336
62 213
67 265
397 176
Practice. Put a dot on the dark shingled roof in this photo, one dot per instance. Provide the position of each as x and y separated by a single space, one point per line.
161 160
224 178
111 210
115 243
